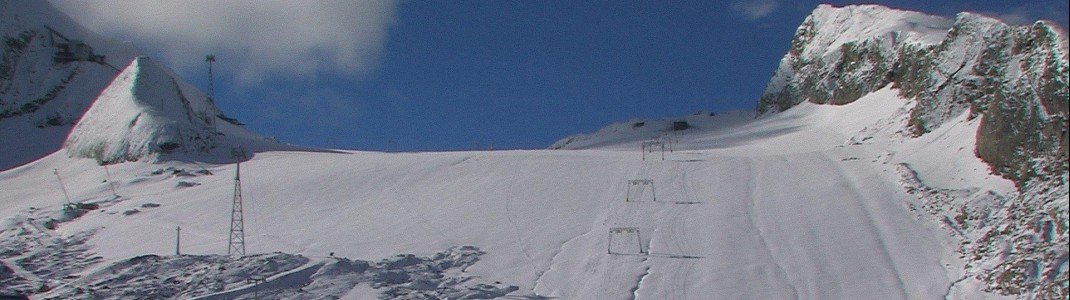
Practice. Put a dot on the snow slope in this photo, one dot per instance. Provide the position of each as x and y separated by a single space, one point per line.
647 130
812 202
807 203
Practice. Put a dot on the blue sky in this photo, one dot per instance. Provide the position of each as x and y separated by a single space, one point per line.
454 75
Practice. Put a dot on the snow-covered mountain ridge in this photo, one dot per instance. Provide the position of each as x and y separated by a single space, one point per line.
123 108
42 98
646 130
1014 77
148 111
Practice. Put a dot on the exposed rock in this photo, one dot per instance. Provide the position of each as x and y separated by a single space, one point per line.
1012 77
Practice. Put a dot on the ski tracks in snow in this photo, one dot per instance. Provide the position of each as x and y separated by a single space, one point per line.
677 264
752 185
553 260
867 212
681 262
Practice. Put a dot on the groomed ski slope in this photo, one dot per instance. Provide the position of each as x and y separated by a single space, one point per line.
800 204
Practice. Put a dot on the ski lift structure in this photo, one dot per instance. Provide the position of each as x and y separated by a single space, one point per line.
638 188
627 240
669 139
210 59
71 50
651 146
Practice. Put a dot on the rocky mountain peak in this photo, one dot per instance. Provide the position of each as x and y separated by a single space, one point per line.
1014 76
147 111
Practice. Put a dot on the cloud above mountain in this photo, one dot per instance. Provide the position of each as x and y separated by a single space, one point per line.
253 39
754 9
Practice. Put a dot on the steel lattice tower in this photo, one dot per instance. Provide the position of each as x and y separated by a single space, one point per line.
236 244
211 88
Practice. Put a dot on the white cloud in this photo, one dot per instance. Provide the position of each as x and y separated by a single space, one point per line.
250 38
1016 18
754 9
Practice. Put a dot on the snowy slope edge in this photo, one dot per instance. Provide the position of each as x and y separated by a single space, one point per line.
624 134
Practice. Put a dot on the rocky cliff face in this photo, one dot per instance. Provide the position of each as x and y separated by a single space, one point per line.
840 54
1012 77
1015 77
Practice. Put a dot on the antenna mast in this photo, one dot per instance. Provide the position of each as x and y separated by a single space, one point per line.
178 240
62 186
236 243
211 87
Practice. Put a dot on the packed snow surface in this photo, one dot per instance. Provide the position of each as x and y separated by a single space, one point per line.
802 204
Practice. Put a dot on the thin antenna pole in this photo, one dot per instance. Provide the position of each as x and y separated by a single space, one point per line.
62 186
178 240
256 280
211 87
111 184
649 146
